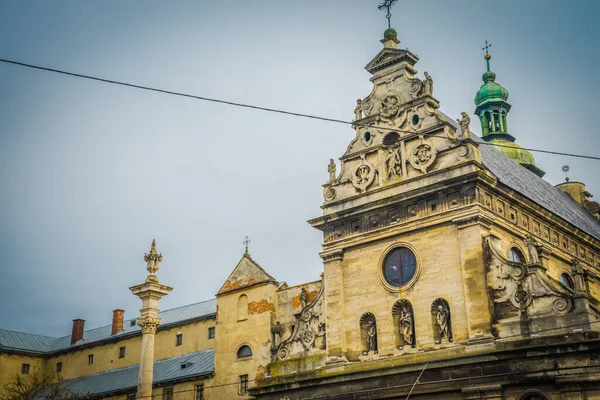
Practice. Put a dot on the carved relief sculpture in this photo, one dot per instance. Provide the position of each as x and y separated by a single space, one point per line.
358 110
307 327
390 106
331 169
532 246
393 164
363 175
422 157
464 123
428 85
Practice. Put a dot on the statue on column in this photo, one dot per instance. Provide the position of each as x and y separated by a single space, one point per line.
331 169
428 85
532 245
464 123
276 333
358 110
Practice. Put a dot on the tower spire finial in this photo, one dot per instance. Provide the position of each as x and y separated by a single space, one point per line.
487 54
387 4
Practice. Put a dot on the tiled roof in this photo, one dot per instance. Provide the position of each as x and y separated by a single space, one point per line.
44 344
535 188
124 379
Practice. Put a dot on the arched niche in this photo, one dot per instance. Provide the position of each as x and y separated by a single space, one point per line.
404 324
441 321
242 308
368 333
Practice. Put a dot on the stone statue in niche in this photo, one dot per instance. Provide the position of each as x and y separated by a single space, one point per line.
368 333
303 298
464 123
372 338
441 316
393 164
331 169
532 245
428 85
406 327
358 110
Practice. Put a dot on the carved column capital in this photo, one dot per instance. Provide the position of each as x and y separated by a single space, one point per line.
149 324
336 255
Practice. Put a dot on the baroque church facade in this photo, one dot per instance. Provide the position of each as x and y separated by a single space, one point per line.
451 270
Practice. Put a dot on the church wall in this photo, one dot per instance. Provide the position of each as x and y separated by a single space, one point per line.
253 329
440 276
10 366
288 301
106 356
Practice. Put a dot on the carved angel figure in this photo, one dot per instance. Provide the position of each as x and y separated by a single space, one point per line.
464 123
393 164
331 169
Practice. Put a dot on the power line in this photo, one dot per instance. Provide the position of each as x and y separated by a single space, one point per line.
267 109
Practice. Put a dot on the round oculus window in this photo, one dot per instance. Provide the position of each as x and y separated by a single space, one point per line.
399 266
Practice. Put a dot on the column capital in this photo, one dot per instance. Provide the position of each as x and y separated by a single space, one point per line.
332 255
149 324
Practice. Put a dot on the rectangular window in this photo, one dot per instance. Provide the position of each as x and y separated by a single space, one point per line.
90 359
211 332
25 369
168 393
200 392
178 339
121 352
58 367
243 384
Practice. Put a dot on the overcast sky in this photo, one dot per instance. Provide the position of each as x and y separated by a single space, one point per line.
91 172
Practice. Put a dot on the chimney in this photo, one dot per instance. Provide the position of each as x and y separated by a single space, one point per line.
117 322
77 333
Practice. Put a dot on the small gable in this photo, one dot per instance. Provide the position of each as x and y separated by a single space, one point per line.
247 273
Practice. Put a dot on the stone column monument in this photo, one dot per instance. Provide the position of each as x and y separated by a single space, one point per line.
150 292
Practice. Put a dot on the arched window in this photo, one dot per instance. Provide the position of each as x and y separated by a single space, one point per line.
533 394
399 266
567 281
244 351
515 255
242 308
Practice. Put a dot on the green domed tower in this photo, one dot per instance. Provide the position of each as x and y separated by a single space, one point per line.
492 108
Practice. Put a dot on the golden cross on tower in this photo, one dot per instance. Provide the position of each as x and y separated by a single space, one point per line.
387 4
487 46
246 243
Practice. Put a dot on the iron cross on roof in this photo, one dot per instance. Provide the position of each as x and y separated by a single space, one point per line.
246 243
387 4
487 46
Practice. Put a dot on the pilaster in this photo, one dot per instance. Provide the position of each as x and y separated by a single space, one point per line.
471 230
334 302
